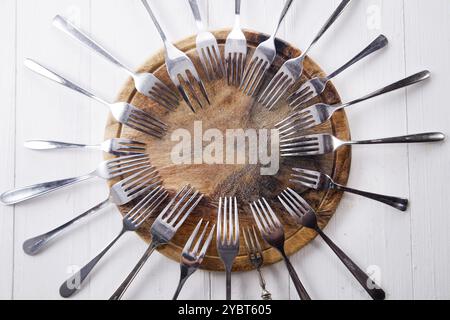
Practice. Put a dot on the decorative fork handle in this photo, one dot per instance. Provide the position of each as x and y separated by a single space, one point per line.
416 78
397 203
65 26
41 70
295 279
155 21
414 138
372 289
51 145
377 44
27 193
265 295
282 16
127 282
35 245
72 285
197 16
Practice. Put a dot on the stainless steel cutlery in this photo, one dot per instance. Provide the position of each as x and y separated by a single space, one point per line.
106 170
305 215
192 257
123 112
146 83
320 113
163 229
316 86
117 146
179 66
228 236
292 70
131 222
262 59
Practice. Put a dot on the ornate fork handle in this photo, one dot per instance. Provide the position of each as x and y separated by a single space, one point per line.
371 288
265 295
415 138
295 279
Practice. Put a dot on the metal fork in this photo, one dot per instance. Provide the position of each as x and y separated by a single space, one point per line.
120 194
146 83
235 50
256 258
116 147
123 112
320 181
191 259
106 170
272 232
292 70
207 47
262 59
131 222
163 229
320 144
316 86
179 66
305 215
321 113
228 236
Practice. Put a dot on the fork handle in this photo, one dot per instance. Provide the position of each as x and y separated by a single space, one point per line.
228 283
237 7
282 16
27 193
414 138
35 245
65 26
376 45
197 15
372 288
51 145
73 284
127 282
397 203
265 295
155 21
295 279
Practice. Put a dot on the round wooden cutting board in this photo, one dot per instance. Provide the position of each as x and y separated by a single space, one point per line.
231 109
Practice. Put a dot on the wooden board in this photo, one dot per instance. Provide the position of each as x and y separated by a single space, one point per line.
230 109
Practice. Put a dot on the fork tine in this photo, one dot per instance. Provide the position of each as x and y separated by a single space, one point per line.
166 91
206 63
249 73
259 219
219 230
282 89
148 118
236 222
185 97
287 205
270 89
188 245
141 204
247 242
200 239
186 215
143 183
207 242
139 220
258 244
275 219
257 81
126 158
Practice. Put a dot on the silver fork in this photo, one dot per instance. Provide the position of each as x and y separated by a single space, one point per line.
179 66
292 70
131 222
123 112
207 47
262 59
163 229
321 113
235 50
146 83
120 194
106 170
272 232
316 86
305 215
320 181
191 259
320 144
256 258
116 147
228 236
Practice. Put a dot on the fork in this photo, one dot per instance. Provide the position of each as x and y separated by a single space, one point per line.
304 215
106 170
316 86
146 83
321 113
179 66
120 194
320 181
228 236
207 47
272 232
320 144
191 259
163 229
116 147
292 70
235 50
123 112
262 59
131 222
256 258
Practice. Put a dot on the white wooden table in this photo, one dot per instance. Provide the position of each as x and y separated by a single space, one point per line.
410 250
